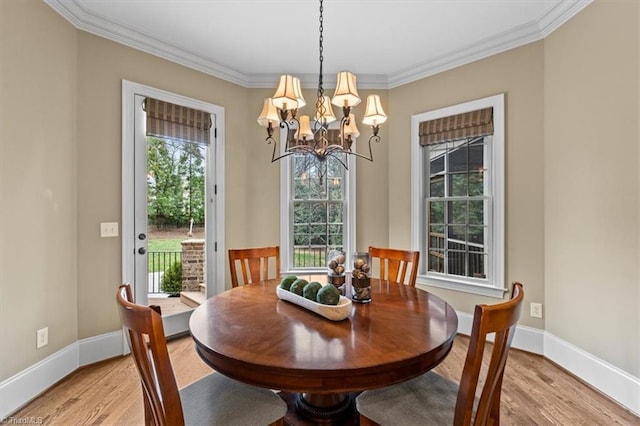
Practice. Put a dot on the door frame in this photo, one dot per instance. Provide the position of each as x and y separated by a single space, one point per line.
215 193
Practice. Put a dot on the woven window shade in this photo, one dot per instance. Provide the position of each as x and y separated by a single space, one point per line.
454 127
171 121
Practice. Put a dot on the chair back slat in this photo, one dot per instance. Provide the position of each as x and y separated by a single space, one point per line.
254 264
395 263
500 319
149 349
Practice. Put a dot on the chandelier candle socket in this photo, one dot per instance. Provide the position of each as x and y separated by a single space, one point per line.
312 139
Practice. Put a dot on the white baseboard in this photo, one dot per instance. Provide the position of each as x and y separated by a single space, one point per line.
18 390
608 379
526 338
99 348
617 384
176 323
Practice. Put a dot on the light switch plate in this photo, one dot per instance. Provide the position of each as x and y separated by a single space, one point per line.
42 337
536 310
109 229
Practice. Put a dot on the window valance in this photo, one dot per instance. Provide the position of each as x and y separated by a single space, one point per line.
454 127
171 121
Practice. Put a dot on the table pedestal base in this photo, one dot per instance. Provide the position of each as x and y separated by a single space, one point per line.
326 409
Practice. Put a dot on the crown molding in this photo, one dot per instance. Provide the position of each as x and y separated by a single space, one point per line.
518 36
310 81
83 20
521 35
557 16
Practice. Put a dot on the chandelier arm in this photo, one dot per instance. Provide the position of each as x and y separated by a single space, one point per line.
289 124
370 157
338 159
304 149
284 124
338 148
274 158
345 141
270 139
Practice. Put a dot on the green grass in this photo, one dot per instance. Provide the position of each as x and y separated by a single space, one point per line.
164 245
161 245
305 259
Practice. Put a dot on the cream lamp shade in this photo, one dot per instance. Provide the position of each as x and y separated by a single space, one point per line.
286 97
346 94
269 114
305 129
298 92
374 114
328 115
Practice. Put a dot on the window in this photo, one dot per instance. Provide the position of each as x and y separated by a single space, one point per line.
458 201
316 211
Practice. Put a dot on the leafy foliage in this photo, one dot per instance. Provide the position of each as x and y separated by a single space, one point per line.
318 202
175 182
172 279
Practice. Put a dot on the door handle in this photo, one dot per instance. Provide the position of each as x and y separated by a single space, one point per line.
142 250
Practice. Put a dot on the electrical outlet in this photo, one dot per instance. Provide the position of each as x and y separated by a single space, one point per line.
109 229
42 337
536 310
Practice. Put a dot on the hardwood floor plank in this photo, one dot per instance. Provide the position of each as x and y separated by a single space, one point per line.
535 392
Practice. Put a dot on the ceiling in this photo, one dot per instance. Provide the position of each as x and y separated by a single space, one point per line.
386 43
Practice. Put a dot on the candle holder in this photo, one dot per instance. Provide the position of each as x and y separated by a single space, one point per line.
361 278
335 268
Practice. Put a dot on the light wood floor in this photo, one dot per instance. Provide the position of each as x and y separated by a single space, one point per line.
169 305
535 392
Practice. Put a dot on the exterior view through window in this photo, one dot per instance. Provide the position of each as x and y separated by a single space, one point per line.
318 207
457 205
175 207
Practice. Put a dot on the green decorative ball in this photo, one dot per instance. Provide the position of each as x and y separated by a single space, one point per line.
298 286
286 282
310 290
328 295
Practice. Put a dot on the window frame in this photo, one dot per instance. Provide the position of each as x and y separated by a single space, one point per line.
286 214
493 285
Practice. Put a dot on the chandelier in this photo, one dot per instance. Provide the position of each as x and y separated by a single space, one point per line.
302 137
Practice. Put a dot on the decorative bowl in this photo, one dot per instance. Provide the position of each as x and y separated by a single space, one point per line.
333 312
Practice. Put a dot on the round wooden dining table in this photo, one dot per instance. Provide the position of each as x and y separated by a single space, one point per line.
249 334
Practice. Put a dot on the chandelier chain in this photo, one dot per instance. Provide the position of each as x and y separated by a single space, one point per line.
321 48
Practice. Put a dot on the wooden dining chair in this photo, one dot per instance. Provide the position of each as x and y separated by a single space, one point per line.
254 264
431 399
212 400
394 264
